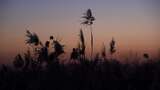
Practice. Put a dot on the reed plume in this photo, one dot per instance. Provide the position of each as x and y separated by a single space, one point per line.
32 38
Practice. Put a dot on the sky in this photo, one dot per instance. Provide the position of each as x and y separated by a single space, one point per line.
133 23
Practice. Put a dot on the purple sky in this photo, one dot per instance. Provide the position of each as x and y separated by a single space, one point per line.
133 23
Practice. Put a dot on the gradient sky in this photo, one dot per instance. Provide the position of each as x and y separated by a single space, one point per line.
133 23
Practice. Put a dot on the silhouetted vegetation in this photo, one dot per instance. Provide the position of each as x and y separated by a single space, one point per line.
40 68
85 75
88 20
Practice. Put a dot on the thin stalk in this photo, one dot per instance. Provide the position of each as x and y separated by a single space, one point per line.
91 41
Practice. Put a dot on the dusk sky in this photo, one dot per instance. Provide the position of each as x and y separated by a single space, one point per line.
133 23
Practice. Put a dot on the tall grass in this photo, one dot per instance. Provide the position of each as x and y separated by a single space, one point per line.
103 52
82 44
88 20
112 47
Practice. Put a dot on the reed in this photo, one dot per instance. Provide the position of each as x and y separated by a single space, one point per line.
88 20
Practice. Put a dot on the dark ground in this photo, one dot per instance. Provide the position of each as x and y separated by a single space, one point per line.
109 75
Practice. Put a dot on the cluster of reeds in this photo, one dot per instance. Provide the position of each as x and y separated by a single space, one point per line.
41 52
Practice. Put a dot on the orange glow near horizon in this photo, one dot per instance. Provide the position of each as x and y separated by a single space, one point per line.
133 25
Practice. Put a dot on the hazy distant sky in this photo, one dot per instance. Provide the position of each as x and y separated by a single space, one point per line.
133 23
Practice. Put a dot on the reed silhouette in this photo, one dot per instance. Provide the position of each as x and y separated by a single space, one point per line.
103 52
112 46
88 20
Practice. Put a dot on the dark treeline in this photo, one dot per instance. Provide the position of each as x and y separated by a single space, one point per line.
40 68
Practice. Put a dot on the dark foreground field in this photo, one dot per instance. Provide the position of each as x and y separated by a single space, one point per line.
87 75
